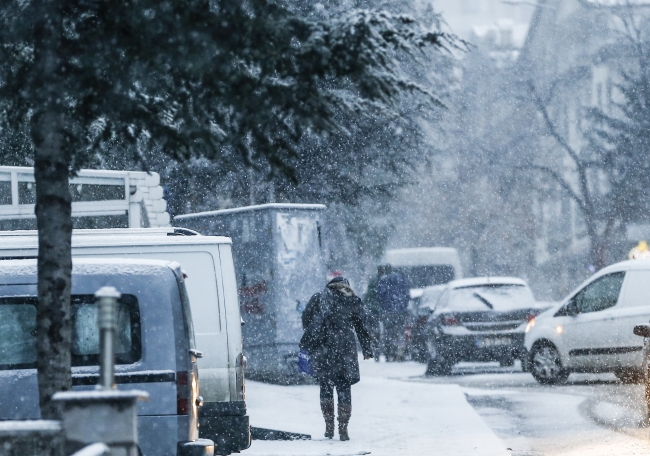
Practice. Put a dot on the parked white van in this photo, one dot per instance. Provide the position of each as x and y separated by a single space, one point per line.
212 289
592 329
425 266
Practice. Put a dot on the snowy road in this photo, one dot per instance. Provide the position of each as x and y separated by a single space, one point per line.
481 409
591 414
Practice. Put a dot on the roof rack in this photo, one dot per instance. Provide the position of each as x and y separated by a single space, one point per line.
137 194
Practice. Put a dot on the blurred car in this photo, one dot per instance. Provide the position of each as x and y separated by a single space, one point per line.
479 319
423 304
592 330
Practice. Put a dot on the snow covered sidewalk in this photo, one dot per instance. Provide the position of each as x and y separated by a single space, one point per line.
389 417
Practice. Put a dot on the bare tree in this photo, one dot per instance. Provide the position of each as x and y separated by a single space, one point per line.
577 181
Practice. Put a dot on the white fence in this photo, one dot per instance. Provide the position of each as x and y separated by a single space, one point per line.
95 193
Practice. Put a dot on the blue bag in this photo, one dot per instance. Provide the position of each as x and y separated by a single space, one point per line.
304 363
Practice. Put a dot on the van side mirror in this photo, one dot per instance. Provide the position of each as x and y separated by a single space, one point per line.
569 310
572 309
642 330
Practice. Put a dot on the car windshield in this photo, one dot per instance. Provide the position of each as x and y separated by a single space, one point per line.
498 297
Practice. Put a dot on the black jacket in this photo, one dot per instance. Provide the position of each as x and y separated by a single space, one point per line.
329 321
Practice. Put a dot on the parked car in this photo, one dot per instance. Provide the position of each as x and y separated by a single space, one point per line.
479 319
154 345
212 289
423 304
592 329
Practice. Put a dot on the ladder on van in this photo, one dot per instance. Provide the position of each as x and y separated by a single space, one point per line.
95 193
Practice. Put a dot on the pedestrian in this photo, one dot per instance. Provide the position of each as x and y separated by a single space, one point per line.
374 313
330 321
393 295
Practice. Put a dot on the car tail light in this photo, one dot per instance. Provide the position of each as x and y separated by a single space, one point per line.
450 320
183 393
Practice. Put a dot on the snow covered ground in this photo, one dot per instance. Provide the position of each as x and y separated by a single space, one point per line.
593 414
390 416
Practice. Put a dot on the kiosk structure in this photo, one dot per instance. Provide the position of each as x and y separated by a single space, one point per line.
279 265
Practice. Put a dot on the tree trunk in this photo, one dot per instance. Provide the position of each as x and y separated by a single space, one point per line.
600 245
53 207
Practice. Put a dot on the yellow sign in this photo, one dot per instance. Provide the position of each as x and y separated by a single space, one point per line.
640 252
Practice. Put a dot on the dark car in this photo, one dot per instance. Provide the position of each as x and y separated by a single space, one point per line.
479 319
423 304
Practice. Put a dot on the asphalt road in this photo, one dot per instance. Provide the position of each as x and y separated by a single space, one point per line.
590 415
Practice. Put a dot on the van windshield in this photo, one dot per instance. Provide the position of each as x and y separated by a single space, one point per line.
426 276
18 331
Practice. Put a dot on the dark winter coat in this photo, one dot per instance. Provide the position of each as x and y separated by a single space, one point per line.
393 293
330 321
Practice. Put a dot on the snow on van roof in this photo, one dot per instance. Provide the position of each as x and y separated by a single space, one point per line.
477 281
620 2
16 271
420 256
259 207
30 241
165 231
628 264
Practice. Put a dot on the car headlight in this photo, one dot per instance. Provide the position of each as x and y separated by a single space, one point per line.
530 325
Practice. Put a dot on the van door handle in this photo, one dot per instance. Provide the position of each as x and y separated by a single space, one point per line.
196 353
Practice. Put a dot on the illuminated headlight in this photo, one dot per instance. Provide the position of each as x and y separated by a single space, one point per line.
530 325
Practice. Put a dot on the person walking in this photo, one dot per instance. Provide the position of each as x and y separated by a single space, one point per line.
393 294
374 312
330 321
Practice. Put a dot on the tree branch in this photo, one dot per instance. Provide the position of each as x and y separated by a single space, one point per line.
559 179
581 168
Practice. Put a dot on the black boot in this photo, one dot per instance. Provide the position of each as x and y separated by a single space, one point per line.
327 407
345 412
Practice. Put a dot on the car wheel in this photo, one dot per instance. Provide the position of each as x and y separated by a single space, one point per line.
630 375
437 365
545 365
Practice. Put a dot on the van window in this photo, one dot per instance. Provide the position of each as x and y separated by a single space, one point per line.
426 276
18 332
601 294
17 335
85 332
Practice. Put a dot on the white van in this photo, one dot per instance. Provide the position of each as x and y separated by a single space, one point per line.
212 289
425 266
592 329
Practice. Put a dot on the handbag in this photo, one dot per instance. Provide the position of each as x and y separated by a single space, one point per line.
304 363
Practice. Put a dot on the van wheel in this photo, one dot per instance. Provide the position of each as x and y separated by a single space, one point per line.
437 365
545 365
630 375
